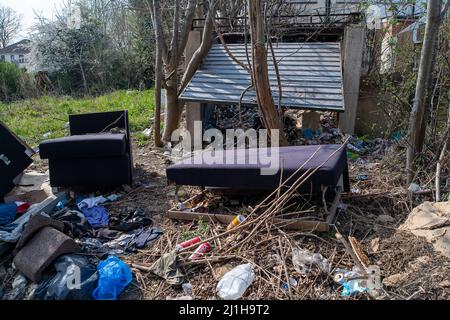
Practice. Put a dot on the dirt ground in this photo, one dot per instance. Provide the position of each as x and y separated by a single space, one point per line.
410 268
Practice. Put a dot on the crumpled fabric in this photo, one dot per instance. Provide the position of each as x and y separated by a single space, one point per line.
123 244
167 267
126 223
97 216
91 202
75 222
11 233
7 213
144 237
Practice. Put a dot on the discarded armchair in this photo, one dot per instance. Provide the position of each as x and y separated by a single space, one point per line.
96 154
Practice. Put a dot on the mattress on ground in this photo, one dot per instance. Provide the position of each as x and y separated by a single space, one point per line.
202 170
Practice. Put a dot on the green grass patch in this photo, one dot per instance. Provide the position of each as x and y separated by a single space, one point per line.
32 119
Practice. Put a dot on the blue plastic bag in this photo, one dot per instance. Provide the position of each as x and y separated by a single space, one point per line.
114 276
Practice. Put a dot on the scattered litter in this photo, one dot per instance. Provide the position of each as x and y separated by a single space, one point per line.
147 132
114 276
167 267
97 216
113 197
7 213
19 286
235 282
303 260
75 280
187 289
355 190
236 222
201 251
292 282
127 222
91 202
362 177
431 221
187 243
414 188
352 282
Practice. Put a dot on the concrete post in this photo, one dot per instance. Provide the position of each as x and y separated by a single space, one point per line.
193 109
353 55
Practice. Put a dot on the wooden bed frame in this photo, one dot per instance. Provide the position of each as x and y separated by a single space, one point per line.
288 224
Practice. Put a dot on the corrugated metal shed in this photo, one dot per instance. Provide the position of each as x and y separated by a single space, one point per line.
311 76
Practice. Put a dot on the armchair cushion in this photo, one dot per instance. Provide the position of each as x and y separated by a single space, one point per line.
84 146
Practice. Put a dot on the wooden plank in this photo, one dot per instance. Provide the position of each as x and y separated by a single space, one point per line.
288 224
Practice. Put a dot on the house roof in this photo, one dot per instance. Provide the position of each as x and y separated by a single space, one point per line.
21 47
311 77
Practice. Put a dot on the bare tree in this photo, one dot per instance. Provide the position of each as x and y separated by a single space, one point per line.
10 24
269 115
423 79
172 26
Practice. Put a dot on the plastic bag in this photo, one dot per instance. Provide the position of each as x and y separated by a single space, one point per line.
75 280
114 277
234 283
304 259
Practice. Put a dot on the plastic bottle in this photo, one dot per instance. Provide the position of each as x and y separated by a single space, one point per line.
236 221
235 282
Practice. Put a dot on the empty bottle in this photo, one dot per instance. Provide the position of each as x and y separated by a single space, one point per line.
235 282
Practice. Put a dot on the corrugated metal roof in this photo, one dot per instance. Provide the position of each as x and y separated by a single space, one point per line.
311 76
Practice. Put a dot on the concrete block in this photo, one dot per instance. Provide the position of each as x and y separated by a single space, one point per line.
41 251
35 224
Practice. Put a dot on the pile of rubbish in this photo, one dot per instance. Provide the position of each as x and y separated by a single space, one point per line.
56 246
226 117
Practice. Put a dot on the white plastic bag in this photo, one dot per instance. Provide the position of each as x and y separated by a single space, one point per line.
304 259
234 283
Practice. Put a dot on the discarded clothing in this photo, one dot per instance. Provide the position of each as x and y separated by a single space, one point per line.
125 243
131 222
114 276
97 216
107 234
133 241
91 202
144 237
75 280
7 213
22 207
75 223
11 233
167 268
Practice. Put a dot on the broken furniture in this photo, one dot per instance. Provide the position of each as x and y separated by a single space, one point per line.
15 157
330 179
97 153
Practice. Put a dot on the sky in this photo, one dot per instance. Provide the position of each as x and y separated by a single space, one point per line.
26 8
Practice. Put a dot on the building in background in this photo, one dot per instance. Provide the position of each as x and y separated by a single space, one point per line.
17 53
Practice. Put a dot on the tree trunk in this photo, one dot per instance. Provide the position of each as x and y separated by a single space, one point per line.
270 117
158 85
425 68
173 109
